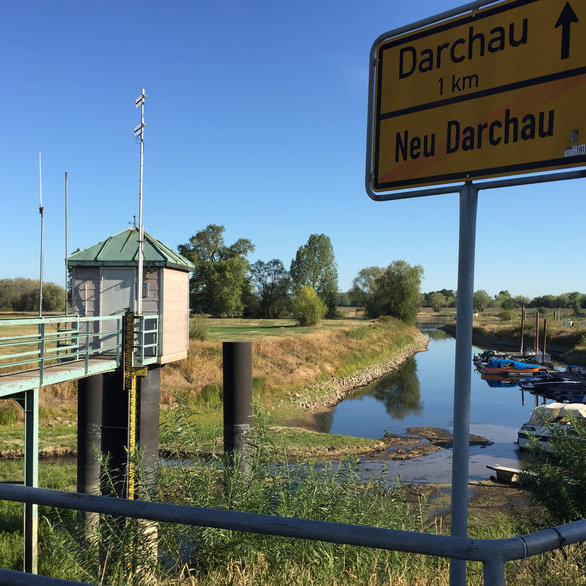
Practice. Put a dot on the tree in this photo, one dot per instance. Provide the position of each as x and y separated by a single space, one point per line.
510 303
344 299
502 299
521 300
308 308
575 302
218 282
481 300
396 292
363 285
551 301
23 295
437 301
315 265
272 286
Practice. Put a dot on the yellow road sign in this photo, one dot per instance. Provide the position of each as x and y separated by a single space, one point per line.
498 91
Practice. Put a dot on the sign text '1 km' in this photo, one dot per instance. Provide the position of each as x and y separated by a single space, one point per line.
493 92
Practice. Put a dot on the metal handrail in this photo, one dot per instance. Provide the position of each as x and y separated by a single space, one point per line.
143 331
492 553
77 340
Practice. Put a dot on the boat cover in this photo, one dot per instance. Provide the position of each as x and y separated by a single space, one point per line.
557 411
508 363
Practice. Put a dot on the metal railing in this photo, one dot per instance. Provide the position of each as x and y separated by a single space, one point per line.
492 553
37 343
147 335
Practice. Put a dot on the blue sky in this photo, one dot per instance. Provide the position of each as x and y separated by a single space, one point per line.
256 120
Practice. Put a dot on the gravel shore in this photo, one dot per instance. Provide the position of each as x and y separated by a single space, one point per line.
323 396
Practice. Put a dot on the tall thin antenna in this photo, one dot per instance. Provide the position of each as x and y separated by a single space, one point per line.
66 271
41 210
139 131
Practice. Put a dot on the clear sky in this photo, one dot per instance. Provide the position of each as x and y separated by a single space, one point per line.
256 120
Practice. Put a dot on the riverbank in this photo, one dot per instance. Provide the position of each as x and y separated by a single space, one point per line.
298 374
327 394
563 342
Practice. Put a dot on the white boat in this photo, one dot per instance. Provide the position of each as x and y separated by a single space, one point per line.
544 417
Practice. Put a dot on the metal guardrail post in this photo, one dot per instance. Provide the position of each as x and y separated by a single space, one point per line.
75 340
87 349
494 572
41 331
141 328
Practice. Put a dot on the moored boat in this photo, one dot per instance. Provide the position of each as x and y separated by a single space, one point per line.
552 382
530 356
546 418
508 366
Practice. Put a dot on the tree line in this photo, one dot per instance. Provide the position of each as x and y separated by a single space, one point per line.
225 283
437 300
23 295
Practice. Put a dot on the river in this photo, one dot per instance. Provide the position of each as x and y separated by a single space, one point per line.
420 393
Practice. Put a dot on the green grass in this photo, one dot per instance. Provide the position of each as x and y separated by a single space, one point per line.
225 329
308 443
53 435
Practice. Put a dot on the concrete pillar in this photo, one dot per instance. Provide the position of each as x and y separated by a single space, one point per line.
31 478
149 402
89 433
89 438
237 367
114 433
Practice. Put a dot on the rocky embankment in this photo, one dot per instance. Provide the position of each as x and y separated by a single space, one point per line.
326 395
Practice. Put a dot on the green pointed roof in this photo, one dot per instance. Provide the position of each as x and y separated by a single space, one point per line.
121 250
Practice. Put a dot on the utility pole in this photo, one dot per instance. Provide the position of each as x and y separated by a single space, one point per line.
66 271
41 211
139 132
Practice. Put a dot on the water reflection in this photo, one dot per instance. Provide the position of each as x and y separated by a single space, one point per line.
399 391
435 334
494 380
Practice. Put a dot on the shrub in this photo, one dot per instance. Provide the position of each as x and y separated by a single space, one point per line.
558 480
211 395
199 327
308 308
507 315
9 414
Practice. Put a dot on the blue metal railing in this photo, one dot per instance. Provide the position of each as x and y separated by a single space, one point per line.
147 348
41 342
492 553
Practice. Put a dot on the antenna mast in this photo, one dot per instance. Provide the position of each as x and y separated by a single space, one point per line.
139 132
41 210
66 271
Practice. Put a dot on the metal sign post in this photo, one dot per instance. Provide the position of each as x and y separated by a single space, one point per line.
462 373
489 89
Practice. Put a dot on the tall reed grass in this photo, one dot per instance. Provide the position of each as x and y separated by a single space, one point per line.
119 551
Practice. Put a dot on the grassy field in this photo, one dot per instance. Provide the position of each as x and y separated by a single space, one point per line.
234 329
